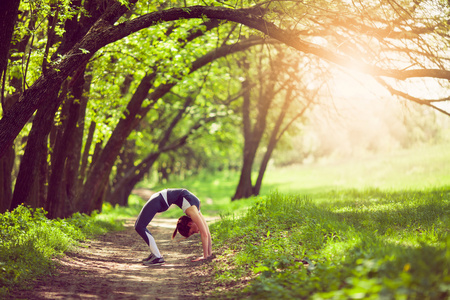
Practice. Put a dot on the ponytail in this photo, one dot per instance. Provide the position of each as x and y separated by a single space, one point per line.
174 233
182 227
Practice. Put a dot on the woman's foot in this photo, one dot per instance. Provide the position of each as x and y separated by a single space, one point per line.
150 257
155 261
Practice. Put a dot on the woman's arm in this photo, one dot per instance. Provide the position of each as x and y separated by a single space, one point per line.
209 235
200 221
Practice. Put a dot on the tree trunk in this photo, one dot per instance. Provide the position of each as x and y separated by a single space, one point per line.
244 188
6 166
122 189
253 136
35 148
98 176
43 178
119 196
126 158
97 202
273 140
74 160
59 188
8 16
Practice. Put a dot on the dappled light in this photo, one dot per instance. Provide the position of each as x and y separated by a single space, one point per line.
329 103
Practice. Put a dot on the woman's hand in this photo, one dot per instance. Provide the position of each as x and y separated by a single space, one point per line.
198 259
201 258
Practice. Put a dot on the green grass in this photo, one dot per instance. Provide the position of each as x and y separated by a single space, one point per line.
29 241
423 167
371 245
375 228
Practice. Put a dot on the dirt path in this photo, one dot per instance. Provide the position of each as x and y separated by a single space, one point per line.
109 267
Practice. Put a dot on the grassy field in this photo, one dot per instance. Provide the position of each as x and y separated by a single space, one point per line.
376 228
372 245
420 168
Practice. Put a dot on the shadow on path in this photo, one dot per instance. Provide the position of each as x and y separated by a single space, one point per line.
109 267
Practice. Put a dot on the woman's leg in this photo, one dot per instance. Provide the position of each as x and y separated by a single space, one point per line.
147 213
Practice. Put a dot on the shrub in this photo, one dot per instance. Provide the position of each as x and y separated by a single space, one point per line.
28 241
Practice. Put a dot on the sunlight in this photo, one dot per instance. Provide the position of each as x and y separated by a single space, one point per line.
360 89
358 117
348 86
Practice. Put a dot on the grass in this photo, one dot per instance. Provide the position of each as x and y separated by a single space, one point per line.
29 241
371 245
376 228
423 167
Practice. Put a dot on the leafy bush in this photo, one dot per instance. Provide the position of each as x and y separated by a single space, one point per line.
28 241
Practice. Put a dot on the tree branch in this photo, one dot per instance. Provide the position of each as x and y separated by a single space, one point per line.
253 18
414 99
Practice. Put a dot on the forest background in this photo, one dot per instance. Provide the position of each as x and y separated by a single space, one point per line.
97 94
101 97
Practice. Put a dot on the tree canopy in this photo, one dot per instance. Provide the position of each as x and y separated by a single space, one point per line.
94 92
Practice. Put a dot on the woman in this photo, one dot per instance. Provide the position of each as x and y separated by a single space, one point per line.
193 222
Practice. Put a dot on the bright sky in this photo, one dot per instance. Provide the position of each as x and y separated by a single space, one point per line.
363 115
361 85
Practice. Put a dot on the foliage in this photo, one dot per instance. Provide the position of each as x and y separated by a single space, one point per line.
48 33
373 245
28 241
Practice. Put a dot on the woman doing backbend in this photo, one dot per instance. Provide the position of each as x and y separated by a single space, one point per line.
193 222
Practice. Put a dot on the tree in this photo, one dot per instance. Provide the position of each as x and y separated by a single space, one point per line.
68 190
56 93
8 17
271 104
104 32
167 140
